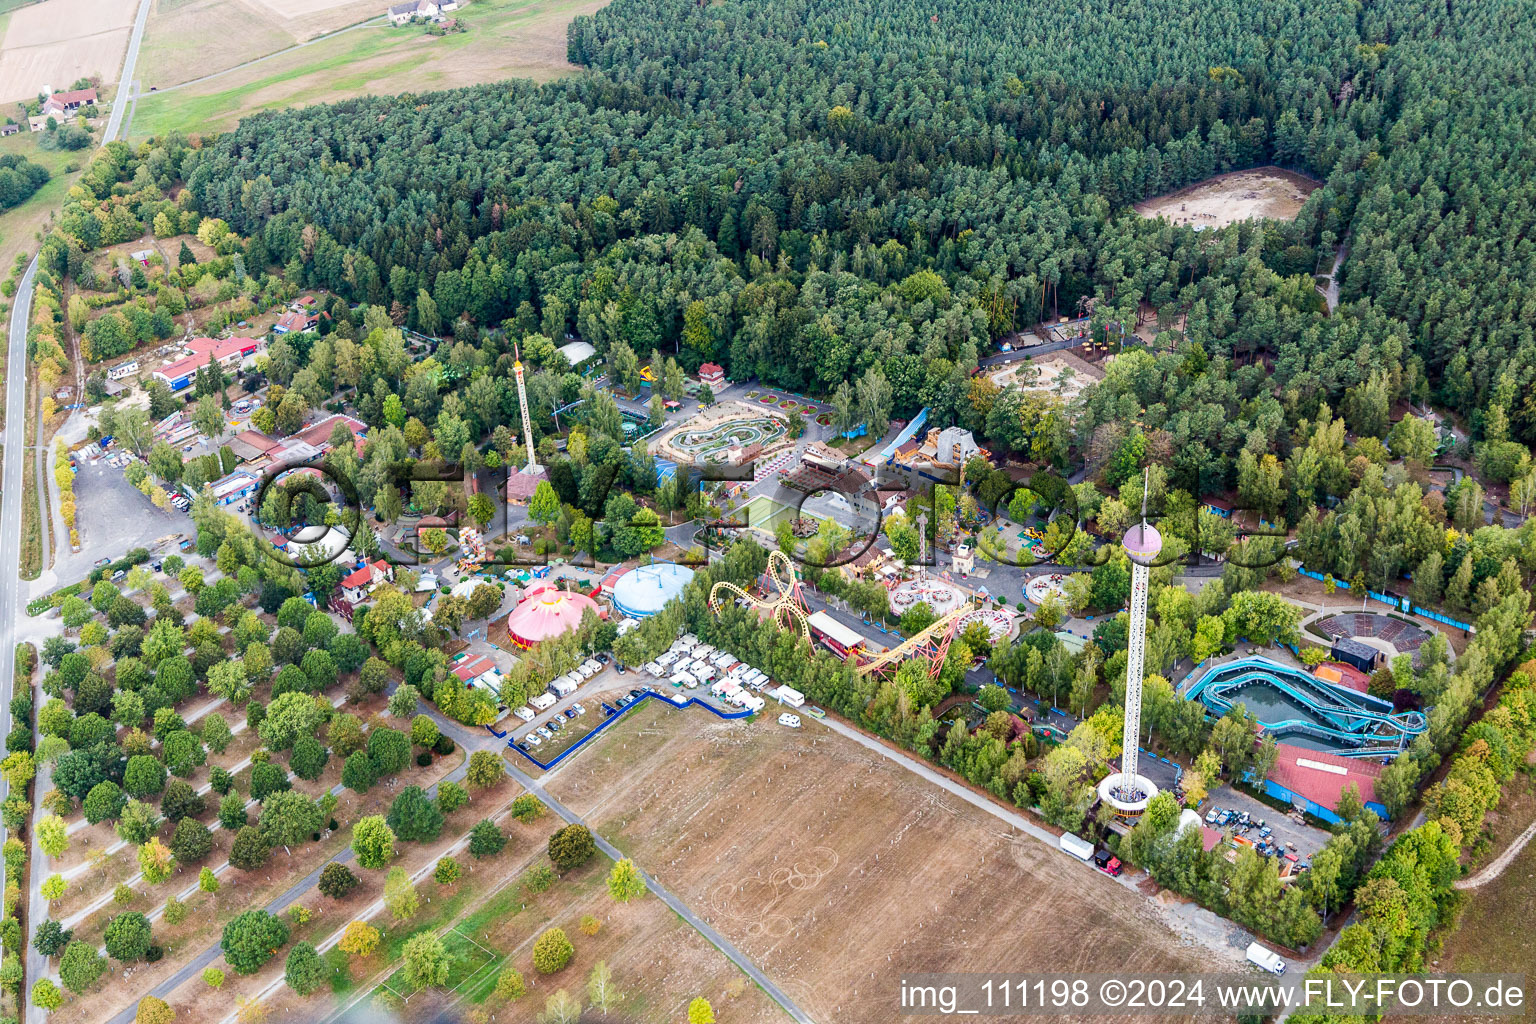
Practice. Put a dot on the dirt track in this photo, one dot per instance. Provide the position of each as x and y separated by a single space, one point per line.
836 871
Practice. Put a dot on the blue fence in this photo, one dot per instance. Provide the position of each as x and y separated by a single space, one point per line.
614 714
1393 601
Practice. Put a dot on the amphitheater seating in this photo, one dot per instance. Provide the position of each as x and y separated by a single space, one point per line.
1406 637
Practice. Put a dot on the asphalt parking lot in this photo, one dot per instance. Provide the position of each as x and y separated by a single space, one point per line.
1308 840
112 516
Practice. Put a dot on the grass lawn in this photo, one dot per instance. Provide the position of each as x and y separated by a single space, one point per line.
468 963
504 39
20 224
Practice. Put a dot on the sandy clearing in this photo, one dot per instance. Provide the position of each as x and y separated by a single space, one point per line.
1265 192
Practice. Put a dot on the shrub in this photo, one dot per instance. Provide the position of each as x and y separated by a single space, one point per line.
538 878
181 801
450 797
509 984
304 970
571 847
552 951
625 882
127 936
485 839
424 759
413 817
249 850
191 841
484 769
221 780
175 911
336 880
446 872
360 939
250 940
80 966
590 925
527 808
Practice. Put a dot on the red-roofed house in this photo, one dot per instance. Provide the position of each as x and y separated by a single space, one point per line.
356 585
1316 779
225 352
318 433
712 374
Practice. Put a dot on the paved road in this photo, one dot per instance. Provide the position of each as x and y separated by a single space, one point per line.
1018 355
10 517
677 906
10 507
125 80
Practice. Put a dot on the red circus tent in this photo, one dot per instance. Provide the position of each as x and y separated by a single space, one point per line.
547 612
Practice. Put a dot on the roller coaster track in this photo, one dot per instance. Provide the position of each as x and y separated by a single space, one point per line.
788 611
1349 722
943 629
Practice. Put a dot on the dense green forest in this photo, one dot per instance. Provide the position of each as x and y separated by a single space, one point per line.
814 193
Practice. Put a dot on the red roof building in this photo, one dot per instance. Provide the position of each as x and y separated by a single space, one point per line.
225 352
1317 779
319 432
712 374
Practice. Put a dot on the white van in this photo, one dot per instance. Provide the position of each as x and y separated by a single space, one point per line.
525 713
1265 959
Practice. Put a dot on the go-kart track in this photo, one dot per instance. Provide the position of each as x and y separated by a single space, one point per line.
711 436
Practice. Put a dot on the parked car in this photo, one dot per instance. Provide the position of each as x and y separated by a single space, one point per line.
603 658
533 740
578 709
618 667
624 702
521 746
636 693
570 712
101 562
119 574
555 724
1211 815
543 731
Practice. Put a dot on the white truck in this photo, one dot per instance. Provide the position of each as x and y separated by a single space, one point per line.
1265 959
1077 846
543 702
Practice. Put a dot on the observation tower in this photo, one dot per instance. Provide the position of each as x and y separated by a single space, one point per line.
1127 791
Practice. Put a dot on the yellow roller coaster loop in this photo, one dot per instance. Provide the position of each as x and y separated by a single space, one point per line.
938 635
788 610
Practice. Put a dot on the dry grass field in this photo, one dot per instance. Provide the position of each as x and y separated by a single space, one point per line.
186 39
504 39
55 43
1266 193
837 871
